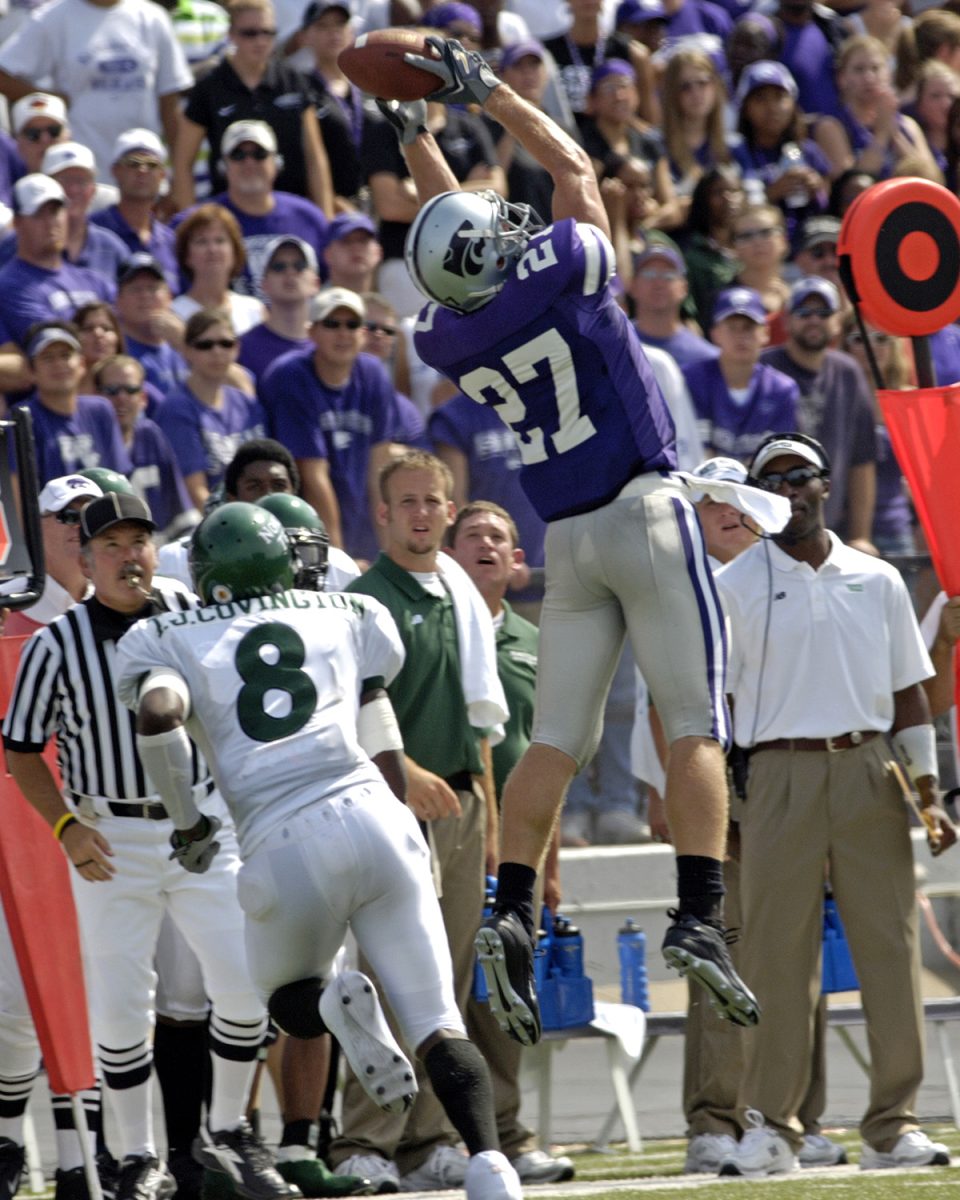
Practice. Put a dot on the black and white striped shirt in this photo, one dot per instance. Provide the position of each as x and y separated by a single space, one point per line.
65 686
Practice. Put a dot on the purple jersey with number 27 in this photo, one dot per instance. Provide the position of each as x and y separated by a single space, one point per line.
560 362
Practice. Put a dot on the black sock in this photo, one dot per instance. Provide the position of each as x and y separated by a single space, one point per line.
700 888
515 882
299 1133
181 1058
461 1082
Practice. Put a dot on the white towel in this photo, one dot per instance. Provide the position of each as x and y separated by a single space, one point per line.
482 689
770 511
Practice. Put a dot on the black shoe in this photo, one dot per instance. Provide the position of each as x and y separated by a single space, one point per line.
143 1177
700 950
187 1172
506 956
241 1155
12 1158
72 1184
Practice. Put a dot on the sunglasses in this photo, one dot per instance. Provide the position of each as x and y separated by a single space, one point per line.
210 343
386 330
796 477
877 337
280 268
34 135
824 250
752 235
330 323
141 164
250 34
653 273
241 155
118 389
804 313
66 516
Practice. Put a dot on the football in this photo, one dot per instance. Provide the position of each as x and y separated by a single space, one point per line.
376 65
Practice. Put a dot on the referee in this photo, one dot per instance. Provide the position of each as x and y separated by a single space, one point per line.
116 834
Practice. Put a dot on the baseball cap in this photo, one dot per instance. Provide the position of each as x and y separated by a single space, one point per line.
442 16
316 8
32 192
787 444
258 132
330 299
765 73
344 224
726 470
48 336
813 285
140 261
62 155
112 509
661 246
817 230
739 302
290 239
635 12
37 104
56 494
610 66
144 140
528 48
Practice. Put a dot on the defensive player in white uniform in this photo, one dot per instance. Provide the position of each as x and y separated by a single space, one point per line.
284 691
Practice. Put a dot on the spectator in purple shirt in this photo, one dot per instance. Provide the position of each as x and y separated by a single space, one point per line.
658 290
38 284
148 324
138 164
351 252
207 419
74 168
288 284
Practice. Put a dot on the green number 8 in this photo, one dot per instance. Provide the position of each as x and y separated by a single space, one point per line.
284 675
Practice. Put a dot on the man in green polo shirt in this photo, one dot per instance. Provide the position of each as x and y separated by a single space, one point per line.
449 789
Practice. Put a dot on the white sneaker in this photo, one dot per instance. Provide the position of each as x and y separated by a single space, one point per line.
537 1166
446 1167
818 1151
761 1151
381 1172
490 1176
913 1149
706 1151
351 1010
620 828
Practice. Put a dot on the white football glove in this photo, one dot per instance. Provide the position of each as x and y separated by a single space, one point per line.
407 117
196 854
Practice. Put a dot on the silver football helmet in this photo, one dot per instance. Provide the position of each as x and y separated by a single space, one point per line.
462 245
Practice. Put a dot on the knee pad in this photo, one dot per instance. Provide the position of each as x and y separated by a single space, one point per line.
295 1007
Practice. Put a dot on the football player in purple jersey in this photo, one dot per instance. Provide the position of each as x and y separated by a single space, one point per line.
522 318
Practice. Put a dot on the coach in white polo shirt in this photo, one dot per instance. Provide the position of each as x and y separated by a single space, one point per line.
826 660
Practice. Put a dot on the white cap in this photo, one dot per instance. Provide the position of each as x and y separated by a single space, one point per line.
132 140
68 154
727 469
807 450
58 493
332 298
258 132
37 104
32 192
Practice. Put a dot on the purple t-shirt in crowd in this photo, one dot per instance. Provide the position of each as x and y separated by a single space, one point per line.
164 367
493 463
156 475
260 347
736 430
685 347
160 244
204 438
29 294
563 366
411 427
340 424
89 437
808 56
101 252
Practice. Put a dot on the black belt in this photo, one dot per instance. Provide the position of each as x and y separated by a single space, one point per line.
153 812
843 741
461 782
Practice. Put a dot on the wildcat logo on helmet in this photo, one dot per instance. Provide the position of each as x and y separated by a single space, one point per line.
464 255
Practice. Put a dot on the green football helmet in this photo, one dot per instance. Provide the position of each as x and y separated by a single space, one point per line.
307 534
237 551
107 480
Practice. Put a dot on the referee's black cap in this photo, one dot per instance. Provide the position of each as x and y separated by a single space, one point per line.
111 509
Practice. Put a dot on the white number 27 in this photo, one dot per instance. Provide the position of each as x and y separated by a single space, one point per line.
525 363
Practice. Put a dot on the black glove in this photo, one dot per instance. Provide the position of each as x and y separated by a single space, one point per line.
465 75
195 854
407 117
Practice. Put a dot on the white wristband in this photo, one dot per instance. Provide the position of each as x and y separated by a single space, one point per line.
916 747
377 728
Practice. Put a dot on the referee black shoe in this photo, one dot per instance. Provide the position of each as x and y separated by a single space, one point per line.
700 951
505 953
144 1177
240 1155
12 1158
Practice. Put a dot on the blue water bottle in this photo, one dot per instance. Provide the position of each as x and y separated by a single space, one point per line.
838 972
479 979
567 948
632 951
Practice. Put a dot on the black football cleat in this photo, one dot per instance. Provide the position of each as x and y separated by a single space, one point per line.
244 1159
700 951
144 1177
506 956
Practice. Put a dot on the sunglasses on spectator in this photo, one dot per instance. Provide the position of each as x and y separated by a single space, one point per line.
386 330
280 268
805 313
34 135
876 336
332 323
752 235
116 389
655 273
141 164
796 477
255 33
238 154
66 516
210 343
824 250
